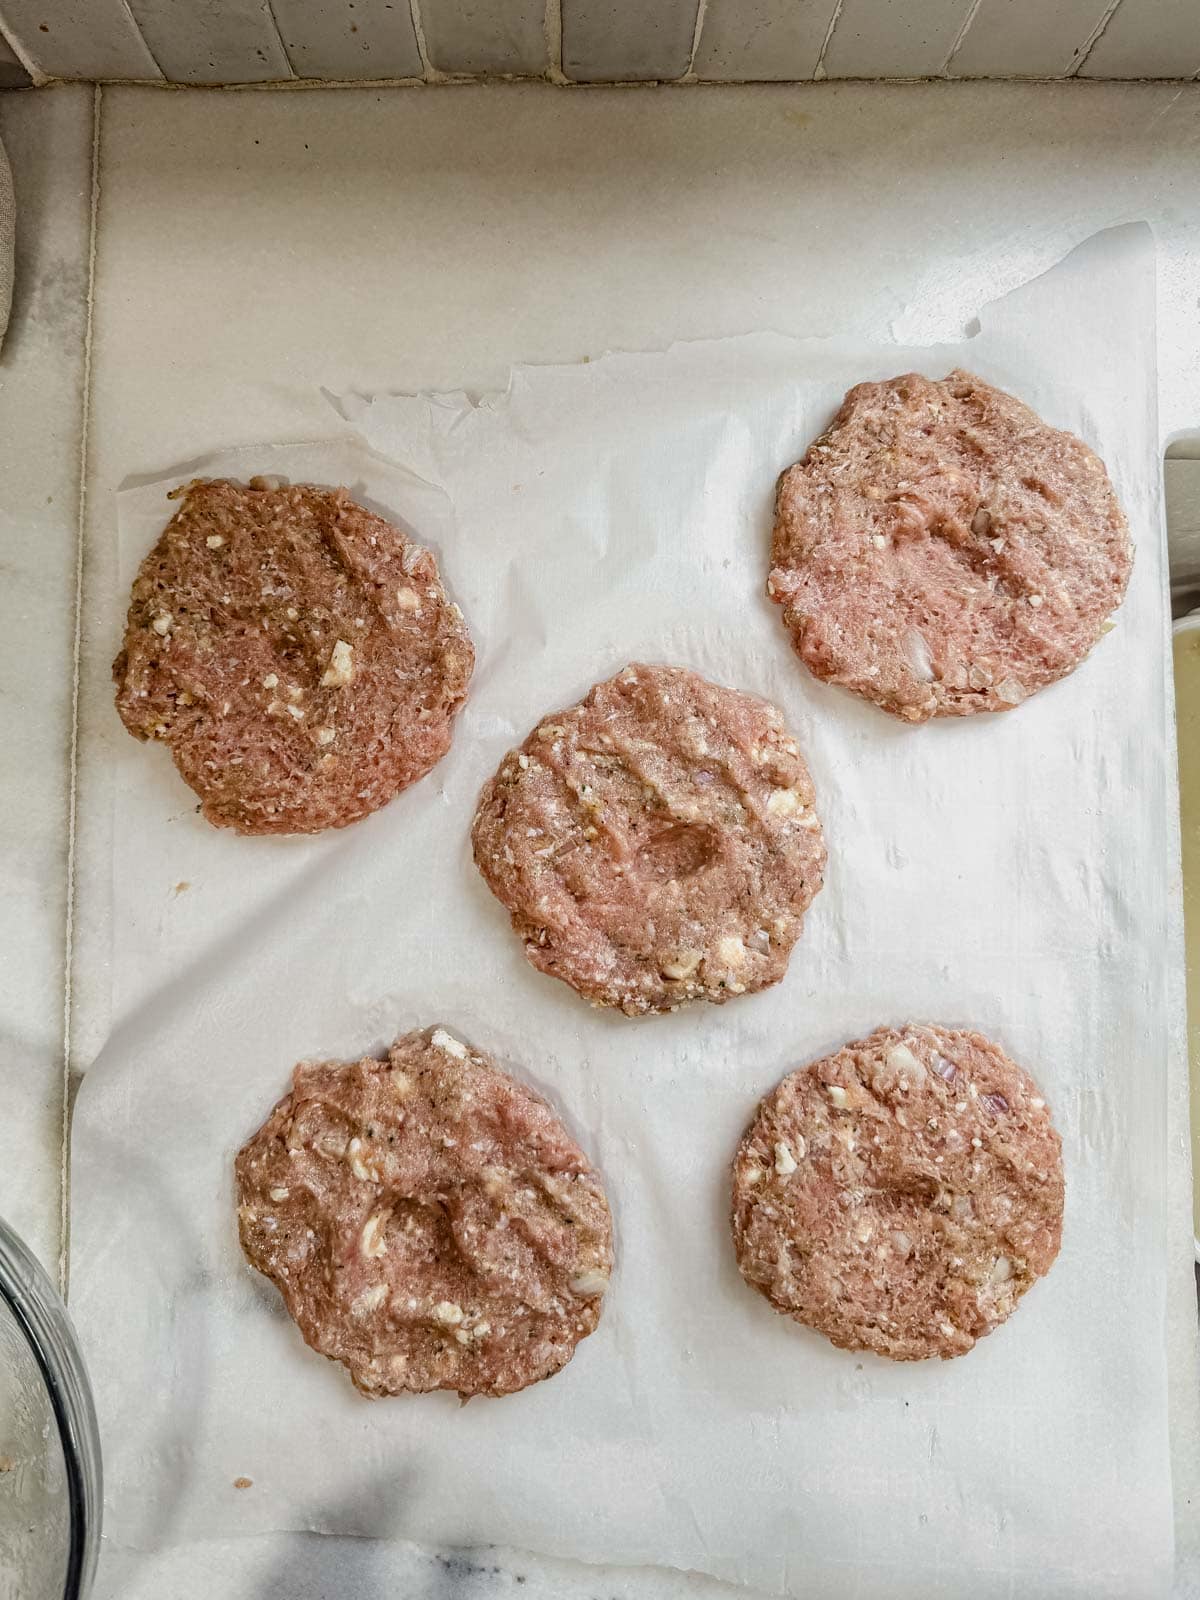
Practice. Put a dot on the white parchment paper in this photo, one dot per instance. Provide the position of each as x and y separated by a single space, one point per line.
1010 872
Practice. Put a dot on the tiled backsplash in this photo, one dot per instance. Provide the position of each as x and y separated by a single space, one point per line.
601 41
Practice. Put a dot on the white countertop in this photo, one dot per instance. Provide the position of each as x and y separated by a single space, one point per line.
252 248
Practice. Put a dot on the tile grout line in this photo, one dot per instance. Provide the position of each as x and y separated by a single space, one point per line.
145 43
472 80
552 32
1093 39
429 73
961 36
690 75
274 20
24 56
818 71
76 653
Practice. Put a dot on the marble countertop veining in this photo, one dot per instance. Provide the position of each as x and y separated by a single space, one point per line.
251 249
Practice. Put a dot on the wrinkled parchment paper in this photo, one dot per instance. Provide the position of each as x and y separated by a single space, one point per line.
1009 872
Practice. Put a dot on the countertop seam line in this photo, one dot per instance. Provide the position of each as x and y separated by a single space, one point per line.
76 649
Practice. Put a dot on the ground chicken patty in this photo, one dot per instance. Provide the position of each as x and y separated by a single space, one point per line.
428 1221
902 1195
296 653
656 843
941 550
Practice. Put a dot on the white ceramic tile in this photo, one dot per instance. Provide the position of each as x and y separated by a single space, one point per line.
612 41
1148 39
78 38
762 40
486 36
213 41
48 137
432 239
1026 38
371 39
893 38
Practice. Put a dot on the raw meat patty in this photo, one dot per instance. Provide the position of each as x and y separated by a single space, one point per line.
427 1219
656 843
902 1195
940 550
296 653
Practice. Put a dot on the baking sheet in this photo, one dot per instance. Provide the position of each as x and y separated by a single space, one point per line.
1008 872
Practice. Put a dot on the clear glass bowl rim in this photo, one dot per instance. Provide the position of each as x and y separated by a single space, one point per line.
42 1318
